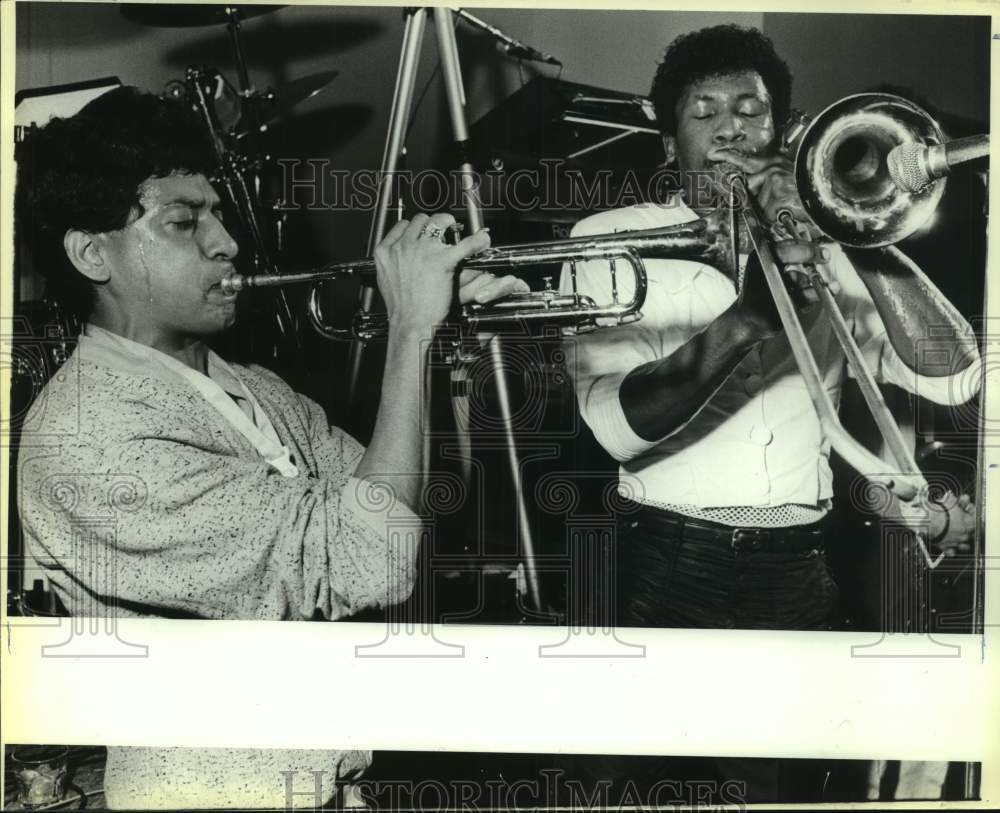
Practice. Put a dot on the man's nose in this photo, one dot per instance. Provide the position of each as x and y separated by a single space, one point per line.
729 128
220 244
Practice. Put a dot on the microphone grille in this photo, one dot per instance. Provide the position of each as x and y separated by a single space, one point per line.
907 167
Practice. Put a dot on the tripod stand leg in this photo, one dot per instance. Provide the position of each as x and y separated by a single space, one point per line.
452 71
527 545
406 76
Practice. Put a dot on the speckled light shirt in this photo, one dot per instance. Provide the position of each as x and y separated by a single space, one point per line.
229 778
138 496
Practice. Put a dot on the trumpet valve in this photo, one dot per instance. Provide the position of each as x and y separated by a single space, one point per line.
453 233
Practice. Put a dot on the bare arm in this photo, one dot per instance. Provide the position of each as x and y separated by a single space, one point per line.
910 306
659 397
394 455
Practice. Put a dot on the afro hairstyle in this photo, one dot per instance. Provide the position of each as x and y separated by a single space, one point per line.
718 51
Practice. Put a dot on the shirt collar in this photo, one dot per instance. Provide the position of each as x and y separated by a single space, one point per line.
104 347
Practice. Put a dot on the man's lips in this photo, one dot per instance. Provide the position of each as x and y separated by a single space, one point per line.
726 159
218 292
217 286
721 153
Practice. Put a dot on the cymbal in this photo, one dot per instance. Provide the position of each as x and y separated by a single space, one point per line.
187 15
323 131
303 33
291 94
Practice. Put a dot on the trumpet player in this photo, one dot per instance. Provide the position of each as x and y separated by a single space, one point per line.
230 495
722 457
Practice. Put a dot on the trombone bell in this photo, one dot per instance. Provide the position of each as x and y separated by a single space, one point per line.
842 173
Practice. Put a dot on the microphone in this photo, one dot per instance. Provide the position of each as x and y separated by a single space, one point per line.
511 46
519 50
912 166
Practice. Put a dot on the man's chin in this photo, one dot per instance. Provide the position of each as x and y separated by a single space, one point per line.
229 321
223 319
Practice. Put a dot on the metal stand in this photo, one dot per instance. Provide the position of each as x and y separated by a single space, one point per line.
452 72
233 26
413 32
399 115
233 169
528 546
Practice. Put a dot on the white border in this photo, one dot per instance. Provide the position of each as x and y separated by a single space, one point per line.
249 684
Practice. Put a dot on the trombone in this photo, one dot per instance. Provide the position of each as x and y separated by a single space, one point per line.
845 177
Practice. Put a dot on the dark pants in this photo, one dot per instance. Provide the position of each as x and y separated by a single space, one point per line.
666 581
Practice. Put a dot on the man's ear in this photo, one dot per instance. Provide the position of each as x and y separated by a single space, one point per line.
669 149
86 255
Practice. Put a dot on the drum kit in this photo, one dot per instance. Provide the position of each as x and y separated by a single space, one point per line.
236 120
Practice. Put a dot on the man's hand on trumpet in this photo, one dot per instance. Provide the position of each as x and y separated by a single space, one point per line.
416 272
475 285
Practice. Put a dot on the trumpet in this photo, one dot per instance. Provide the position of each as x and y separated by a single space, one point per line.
709 240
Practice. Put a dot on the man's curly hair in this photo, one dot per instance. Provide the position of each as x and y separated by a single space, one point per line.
718 51
85 172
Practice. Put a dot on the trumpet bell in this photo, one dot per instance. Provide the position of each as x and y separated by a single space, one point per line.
842 173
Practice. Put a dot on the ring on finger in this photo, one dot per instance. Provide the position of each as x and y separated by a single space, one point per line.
432 231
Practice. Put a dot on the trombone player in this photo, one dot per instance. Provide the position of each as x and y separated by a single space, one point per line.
723 464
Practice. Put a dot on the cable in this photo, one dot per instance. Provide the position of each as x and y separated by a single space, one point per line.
427 86
420 99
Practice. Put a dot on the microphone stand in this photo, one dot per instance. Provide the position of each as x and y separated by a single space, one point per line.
413 32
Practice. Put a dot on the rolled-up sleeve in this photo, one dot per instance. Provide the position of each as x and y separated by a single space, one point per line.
683 298
601 359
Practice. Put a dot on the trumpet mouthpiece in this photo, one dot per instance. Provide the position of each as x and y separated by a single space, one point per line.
232 284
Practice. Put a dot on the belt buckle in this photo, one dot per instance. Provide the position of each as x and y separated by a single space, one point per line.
742 540
735 541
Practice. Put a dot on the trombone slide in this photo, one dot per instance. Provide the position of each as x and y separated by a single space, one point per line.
904 478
